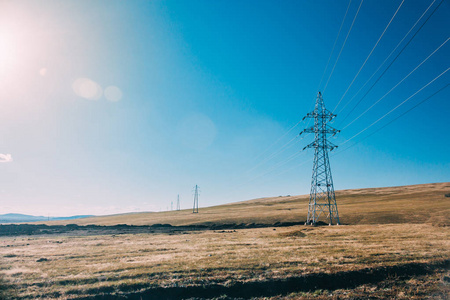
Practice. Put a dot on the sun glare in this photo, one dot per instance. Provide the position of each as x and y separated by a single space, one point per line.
24 43
8 49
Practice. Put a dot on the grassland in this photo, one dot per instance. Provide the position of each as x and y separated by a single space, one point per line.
416 204
406 256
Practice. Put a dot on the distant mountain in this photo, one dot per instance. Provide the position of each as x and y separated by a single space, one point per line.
70 218
17 218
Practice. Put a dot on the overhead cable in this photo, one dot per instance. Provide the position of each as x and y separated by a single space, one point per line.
396 118
279 139
376 44
272 169
396 84
401 51
342 48
390 54
388 113
274 154
334 45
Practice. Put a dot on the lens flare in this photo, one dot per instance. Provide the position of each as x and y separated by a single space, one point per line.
87 88
113 93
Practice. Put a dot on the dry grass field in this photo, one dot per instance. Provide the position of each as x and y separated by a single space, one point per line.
416 204
395 244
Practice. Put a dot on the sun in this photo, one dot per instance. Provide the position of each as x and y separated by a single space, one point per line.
14 24
22 42
8 50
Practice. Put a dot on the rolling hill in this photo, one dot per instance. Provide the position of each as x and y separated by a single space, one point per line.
423 203
20 218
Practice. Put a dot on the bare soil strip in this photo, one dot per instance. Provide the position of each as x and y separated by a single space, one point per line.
75 230
269 288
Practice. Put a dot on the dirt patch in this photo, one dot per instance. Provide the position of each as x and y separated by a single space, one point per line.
296 233
269 288
76 230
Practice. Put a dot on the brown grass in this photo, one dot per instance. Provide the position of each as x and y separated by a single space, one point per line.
417 204
68 267
89 265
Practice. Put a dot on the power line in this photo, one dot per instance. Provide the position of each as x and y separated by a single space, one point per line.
396 84
401 51
342 48
385 115
274 154
395 108
290 158
390 54
295 166
276 166
396 118
376 44
278 140
334 45
288 144
272 169
271 156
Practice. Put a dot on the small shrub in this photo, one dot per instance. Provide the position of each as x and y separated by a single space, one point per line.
447 195
318 292
7 291
42 259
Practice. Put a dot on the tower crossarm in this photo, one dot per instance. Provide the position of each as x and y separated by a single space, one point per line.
324 114
315 144
326 129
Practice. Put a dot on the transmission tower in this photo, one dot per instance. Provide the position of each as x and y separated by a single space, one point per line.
195 209
322 200
178 202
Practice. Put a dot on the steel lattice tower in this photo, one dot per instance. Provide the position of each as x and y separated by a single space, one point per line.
322 200
178 202
195 209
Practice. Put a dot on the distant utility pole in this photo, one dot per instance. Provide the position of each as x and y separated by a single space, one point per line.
171 205
195 209
321 199
178 202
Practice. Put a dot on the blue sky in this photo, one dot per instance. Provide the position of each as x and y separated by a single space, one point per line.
118 106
